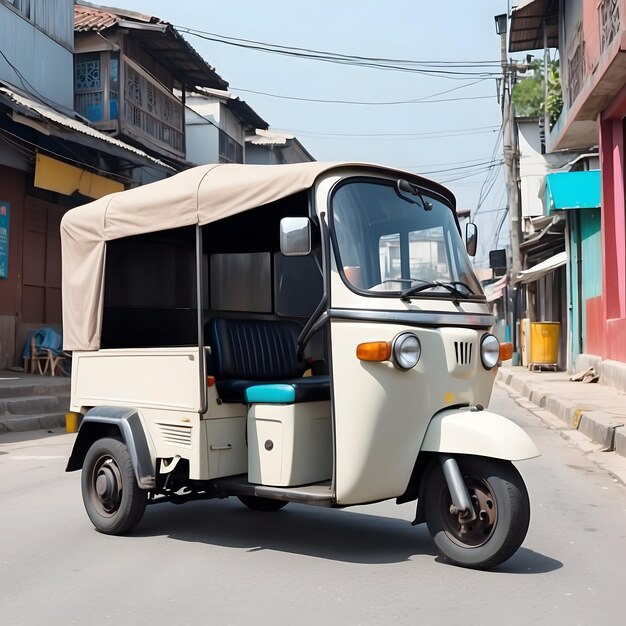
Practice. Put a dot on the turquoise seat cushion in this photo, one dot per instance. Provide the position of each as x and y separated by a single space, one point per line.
276 393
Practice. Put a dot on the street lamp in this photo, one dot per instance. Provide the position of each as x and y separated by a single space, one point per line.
501 21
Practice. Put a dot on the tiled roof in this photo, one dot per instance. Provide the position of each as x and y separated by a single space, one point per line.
157 36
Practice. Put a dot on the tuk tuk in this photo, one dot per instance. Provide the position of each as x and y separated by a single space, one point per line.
309 333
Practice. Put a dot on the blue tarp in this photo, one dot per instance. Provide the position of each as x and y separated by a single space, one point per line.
573 190
45 339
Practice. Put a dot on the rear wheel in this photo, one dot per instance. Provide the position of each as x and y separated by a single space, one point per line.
262 504
112 497
502 508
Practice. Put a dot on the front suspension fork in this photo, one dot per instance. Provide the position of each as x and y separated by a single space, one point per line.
461 502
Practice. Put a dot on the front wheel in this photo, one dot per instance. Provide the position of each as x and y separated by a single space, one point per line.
113 500
502 509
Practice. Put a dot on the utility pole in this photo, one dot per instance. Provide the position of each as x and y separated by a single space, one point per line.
511 152
511 173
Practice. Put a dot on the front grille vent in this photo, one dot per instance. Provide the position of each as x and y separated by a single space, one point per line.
463 352
176 434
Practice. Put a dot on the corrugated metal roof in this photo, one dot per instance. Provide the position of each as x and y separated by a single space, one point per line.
157 36
13 96
269 138
239 107
527 25
541 269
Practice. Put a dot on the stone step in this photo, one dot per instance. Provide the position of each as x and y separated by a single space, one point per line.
23 423
34 405
44 388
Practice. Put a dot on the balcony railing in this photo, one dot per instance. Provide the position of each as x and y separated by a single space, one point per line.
151 110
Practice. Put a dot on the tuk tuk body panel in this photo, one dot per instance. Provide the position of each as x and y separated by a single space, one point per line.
289 444
227 449
382 413
164 378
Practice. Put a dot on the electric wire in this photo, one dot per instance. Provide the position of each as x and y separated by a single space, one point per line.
422 100
428 68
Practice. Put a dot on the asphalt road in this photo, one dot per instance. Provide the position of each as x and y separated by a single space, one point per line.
218 563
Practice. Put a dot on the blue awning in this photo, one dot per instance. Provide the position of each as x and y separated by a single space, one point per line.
573 190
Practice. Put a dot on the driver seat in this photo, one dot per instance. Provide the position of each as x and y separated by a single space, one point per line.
255 361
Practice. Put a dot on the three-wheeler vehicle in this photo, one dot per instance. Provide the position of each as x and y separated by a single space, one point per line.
309 333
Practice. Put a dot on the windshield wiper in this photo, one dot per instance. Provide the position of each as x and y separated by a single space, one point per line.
450 286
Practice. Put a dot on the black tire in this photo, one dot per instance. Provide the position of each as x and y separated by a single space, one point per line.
263 504
113 500
502 506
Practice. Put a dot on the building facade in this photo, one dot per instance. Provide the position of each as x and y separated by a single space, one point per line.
591 41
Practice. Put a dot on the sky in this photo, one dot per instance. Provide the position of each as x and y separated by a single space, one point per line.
451 136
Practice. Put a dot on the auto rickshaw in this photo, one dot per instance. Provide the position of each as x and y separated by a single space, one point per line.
309 333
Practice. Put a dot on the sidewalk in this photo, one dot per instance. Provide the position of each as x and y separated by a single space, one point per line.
596 410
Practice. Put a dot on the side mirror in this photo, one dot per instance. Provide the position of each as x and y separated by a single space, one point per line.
295 236
471 238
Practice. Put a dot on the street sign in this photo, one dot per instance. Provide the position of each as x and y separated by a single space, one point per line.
5 213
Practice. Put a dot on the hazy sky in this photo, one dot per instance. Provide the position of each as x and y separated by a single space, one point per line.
452 139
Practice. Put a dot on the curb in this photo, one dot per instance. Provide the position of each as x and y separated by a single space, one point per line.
604 427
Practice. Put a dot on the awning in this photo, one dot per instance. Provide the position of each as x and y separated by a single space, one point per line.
573 190
495 290
541 269
527 24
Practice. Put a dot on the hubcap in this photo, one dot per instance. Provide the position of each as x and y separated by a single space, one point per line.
107 485
477 532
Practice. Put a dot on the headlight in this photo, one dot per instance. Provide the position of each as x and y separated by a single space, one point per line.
406 351
489 351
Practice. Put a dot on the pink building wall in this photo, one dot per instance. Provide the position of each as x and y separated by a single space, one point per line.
613 228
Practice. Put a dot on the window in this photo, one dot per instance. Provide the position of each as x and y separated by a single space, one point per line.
150 290
230 150
96 85
387 242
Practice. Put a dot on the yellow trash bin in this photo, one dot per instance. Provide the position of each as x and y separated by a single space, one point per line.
544 343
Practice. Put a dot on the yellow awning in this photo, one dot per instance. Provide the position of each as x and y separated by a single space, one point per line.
67 179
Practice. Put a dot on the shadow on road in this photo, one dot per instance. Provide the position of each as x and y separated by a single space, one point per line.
338 535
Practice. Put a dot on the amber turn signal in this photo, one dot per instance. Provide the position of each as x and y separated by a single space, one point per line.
374 351
506 351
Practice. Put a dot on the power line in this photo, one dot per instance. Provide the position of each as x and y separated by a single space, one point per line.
434 133
442 69
362 103
422 100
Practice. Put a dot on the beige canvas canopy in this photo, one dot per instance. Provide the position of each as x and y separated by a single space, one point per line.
200 195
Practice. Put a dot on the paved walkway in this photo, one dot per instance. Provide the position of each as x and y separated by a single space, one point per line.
596 410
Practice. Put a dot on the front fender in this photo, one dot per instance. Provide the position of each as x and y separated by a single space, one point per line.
464 431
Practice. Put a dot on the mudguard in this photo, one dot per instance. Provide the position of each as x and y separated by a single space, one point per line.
116 421
470 431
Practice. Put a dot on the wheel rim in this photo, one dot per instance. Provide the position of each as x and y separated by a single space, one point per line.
106 485
477 532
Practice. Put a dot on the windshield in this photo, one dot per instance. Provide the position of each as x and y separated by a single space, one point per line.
390 241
